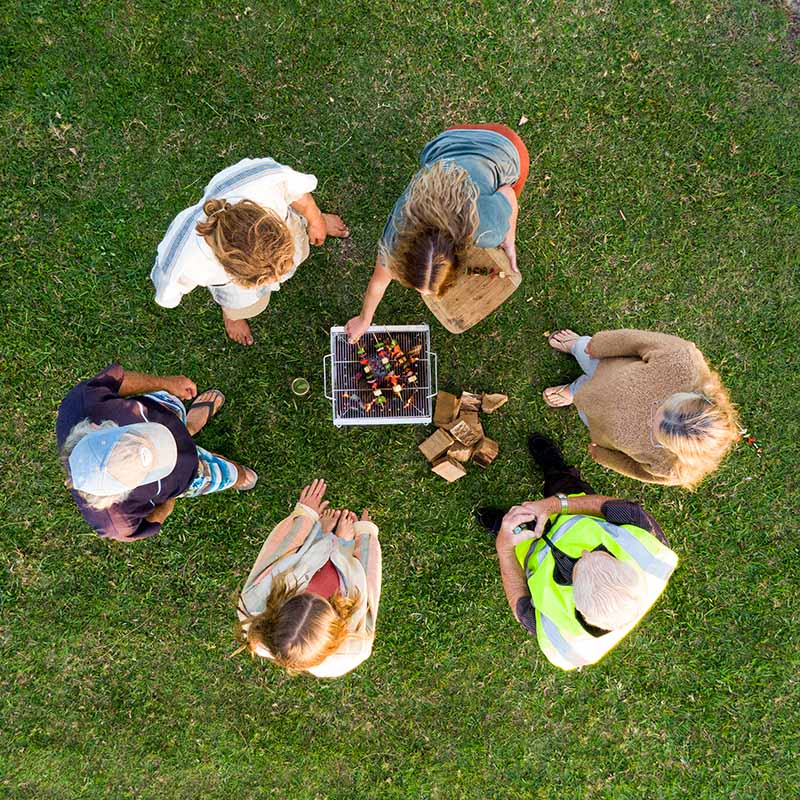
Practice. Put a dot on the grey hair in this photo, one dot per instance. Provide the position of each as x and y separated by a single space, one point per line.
79 430
608 592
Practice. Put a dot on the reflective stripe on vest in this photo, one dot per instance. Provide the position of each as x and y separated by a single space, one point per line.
646 561
554 537
560 635
571 657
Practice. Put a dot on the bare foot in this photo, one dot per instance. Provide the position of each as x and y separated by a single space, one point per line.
238 330
205 406
563 340
558 396
247 478
334 226
328 519
344 530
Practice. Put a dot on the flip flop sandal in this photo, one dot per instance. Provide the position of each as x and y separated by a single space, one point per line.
251 481
557 396
213 406
562 345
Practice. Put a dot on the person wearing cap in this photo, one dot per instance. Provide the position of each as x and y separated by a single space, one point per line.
579 569
125 441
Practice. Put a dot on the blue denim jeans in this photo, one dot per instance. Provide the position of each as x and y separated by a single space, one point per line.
587 364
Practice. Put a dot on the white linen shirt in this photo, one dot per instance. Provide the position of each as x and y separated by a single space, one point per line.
185 260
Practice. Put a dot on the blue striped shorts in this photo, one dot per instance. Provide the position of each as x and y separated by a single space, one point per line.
214 473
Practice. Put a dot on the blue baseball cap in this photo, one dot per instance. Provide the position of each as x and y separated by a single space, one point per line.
115 460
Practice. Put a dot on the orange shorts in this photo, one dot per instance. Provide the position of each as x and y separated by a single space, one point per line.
513 137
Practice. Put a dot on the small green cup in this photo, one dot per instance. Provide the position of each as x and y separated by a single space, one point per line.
300 386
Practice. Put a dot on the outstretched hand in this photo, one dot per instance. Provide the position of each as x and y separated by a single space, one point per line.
355 329
312 495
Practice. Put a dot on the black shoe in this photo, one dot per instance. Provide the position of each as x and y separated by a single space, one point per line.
546 453
490 519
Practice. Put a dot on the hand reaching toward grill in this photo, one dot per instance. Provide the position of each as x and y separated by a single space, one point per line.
356 328
312 495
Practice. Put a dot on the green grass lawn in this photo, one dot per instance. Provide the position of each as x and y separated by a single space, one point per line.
665 139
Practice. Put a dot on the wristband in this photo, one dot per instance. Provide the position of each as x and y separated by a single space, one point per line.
564 502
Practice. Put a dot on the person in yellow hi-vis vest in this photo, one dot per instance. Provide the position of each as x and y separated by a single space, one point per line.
587 569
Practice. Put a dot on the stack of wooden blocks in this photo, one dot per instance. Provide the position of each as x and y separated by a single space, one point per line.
460 437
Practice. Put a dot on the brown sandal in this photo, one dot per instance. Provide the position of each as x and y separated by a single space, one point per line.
558 396
249 483
562 340
212 404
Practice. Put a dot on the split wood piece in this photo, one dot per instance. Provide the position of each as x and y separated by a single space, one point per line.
486 452
447 408
485 283
460 452
491 402
474 421
449 469
436 445
464 432
470 402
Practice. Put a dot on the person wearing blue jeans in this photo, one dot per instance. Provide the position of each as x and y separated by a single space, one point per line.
576 347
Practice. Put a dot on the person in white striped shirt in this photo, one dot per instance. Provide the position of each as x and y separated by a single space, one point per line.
245 237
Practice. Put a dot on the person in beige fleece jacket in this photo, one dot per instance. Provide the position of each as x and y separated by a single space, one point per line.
655 410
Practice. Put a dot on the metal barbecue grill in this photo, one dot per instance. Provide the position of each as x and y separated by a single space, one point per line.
355 403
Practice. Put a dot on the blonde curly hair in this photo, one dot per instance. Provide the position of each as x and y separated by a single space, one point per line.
252 243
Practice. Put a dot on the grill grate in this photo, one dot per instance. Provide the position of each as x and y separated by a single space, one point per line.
354 402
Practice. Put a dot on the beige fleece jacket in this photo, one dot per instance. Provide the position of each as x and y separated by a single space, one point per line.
638 370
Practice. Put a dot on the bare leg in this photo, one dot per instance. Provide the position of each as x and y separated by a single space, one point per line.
238 330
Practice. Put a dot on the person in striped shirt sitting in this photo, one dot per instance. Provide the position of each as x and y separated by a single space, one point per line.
310 602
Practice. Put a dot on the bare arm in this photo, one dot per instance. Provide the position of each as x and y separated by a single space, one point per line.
142 383
509 243
307 206
380 280
514 583
160 513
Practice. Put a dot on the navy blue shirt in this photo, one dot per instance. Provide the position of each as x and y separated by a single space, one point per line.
98 400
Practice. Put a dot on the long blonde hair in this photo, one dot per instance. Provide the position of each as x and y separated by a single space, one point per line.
437 225
252 243
698 428
299 629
